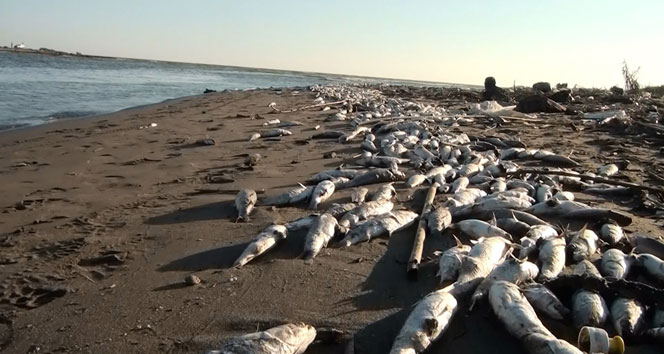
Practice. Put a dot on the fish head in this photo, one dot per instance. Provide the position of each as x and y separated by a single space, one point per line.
300 336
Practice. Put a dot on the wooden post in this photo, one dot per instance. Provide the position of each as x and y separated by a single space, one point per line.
420 235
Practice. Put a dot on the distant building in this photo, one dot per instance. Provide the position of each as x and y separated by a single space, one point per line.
19 46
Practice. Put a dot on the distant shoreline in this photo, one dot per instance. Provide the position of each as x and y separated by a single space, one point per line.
50 52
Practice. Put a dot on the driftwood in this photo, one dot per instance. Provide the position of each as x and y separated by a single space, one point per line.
609 289
420 235
523 171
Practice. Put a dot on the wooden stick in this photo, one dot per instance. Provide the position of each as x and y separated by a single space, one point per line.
523 171
420 235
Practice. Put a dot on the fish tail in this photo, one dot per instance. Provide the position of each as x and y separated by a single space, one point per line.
308 256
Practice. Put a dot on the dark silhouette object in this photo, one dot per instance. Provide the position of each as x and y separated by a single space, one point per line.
537 104
207 90
562 96
492 92
543 87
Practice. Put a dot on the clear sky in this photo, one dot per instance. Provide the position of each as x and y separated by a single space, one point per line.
579 42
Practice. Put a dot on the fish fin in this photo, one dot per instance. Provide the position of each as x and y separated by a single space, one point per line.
493 220
458 242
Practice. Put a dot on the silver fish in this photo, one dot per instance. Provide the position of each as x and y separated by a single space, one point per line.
329 174
264 241
450 262
378 226
359 195
514 311
653 265
244 203
337 210
460 184
482 258
321 193
588 309
611 233
320 233
438 220
552 258
285 339
538 343
385 192
583 245
415 180
510 270
294 196
365 211
608 170
477 229
271 133
628 316
304 222
615 264
586 268
555 207
426 323
544 301
377 175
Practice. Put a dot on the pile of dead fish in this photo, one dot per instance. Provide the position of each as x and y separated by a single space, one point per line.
502 226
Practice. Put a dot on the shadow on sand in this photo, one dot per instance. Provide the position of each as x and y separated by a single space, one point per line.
210 211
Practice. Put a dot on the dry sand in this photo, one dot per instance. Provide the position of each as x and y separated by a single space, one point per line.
77 190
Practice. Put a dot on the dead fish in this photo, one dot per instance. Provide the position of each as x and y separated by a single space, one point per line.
501 202
358 195
498 185
465 197
384 192
512 226
378 226
304 222
477 229
364 212
379 175
328 135
244 203
514 311
423 152
469 170
538 343
559 160
320 233
628 316
560 195
647 244
540 154
428 320
450 262
611 233
588 309
460 184
264 241
586 268
583 245
338 210
482 258
615 264
254 136
336 173
294 196
285 339
544 193
381 161
608 170
598 214
445 153
554 207
517 183
415 180
321 193
368 145
511 153
552 257
510 270
544 301
271 133
653 265
352 135
438 220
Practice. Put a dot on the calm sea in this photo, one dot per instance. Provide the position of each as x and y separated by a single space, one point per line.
36 89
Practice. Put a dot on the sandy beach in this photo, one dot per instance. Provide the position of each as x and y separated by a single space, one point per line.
104 217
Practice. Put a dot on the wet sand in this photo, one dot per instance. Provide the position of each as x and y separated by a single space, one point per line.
102 221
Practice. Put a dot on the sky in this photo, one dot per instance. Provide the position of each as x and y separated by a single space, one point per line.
579 42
